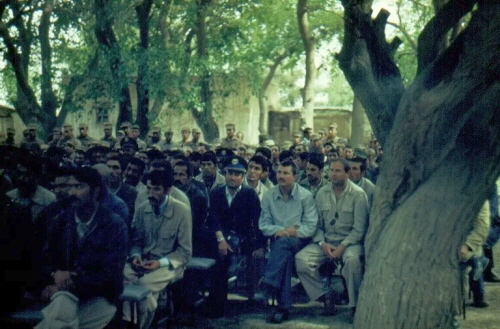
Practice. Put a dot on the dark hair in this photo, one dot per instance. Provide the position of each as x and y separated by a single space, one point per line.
54 151
32 162
122 162
163 178
90 176
285 155
361 161
317 160
209 156
160 164
326 144
304 156
187 164
64 172
290 163
347 146
137 162
174 153
258 159
265 151
154 154
344 162
195 156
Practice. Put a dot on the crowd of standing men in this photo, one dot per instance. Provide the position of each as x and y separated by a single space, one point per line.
84 216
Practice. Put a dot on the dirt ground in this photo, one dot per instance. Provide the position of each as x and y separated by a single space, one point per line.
308 315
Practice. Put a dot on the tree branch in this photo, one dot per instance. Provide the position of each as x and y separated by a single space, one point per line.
367 62
437 28
408 37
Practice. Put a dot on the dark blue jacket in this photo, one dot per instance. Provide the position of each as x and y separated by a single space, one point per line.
98 259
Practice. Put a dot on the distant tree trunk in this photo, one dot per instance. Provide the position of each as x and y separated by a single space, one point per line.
263 113
107 39
440 139
143 11
204 118
357 124
308 92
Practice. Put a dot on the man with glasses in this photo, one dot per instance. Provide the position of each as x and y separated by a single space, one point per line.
343 219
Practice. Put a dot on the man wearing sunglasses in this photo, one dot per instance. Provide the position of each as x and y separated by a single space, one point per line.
343 219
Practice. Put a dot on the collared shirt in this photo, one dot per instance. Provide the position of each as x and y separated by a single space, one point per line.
298 211
313 188
261 189
229 196
369 188
81 227
342 220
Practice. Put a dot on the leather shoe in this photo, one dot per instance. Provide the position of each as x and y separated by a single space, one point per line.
491 276
329 306
479 304
278 316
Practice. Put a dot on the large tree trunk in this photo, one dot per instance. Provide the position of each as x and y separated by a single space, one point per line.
107 39
263 112
357 123
308 92
204 118
143 10
440 157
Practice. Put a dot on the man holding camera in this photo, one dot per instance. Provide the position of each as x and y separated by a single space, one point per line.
343 219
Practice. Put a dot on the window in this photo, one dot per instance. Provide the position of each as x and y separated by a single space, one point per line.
102 115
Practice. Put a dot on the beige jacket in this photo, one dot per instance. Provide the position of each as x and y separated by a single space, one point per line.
477 237
167 235
342 221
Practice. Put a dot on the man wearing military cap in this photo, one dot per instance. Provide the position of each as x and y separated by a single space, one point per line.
126 127
11 133
233 216
155 138
296 138
331 136
135 132
68 136
230 142
316 144
84 137
168 144
31 138
195 142
108 135
56 136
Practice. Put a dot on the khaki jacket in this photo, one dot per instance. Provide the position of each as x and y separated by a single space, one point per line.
477 237
167 235
344 221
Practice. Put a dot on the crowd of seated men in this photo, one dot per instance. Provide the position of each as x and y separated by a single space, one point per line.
81 218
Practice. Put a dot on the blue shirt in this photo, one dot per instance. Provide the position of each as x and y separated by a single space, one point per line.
298 211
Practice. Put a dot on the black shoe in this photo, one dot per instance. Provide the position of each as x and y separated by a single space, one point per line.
278 316
491 277
479 304
329 306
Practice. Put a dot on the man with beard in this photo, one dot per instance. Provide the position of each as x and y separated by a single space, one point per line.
314 180
133 173
183 179
233 217
68 136
110 200
122 190
343 220
28 193
161 242
85 255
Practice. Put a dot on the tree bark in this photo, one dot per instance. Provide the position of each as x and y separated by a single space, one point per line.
432 182
357 124
263 112
308 92
49 100
143 11
107 39
204 118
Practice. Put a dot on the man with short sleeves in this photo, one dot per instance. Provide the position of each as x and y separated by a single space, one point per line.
343 216
290 218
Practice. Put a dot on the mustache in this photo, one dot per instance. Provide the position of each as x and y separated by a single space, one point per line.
153 201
